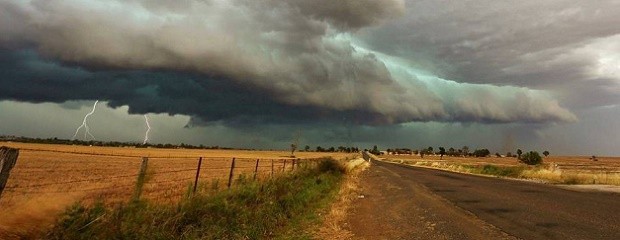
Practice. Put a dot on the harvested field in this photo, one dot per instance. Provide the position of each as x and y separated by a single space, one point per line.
48 178
555 169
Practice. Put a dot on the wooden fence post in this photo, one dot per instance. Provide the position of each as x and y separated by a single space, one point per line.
141 179
197 174
284 166
256 168
230 176
296 162
271 167
8 158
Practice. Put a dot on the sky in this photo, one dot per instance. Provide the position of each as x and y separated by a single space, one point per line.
260 73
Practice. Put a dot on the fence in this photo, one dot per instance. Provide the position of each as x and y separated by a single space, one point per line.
115 178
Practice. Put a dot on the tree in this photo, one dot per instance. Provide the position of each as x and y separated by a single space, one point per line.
482 152
519 152
451 152
465 150
498 155
422 153
429 150
508 154
546 153
375 150
307 148
531 158
442 151
293 148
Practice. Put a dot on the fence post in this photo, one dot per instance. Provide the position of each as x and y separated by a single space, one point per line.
8 158
141 178
293 165
296 162
197 174
271 167
256 168
230 176
284 166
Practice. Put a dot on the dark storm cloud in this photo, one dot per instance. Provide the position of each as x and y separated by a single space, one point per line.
206 99
240 61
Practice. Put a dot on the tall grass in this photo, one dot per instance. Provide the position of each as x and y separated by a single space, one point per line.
274 208
540 172
565 177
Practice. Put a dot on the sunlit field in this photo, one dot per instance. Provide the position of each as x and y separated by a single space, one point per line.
48 178
555 169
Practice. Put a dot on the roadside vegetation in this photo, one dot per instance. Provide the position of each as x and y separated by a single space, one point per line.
528 165
277 208
542 172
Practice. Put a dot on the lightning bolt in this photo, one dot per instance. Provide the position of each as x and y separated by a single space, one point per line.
84 125
146 135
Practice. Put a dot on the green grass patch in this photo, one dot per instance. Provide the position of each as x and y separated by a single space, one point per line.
495 170
505 171
282 207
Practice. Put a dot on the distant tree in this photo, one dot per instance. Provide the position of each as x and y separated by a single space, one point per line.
451 152
546 153
293 148
508 154
482 152
320 149
422 153
331 149
519 152
594 158
498 155
429 150
375 150
465 150
531 158
442 151
307 148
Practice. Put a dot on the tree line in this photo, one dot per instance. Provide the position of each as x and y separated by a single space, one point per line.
531 157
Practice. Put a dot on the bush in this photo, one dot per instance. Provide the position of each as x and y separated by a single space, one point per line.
482 152
531 158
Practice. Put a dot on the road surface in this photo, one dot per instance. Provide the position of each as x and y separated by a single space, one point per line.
404 202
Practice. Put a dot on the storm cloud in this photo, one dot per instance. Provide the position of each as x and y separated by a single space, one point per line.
283 61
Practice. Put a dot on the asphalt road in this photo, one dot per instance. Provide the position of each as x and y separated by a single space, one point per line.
403 202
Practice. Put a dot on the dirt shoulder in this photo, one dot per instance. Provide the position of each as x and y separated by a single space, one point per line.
334 219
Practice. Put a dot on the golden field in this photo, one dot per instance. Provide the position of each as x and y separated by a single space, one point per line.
47 178
555 169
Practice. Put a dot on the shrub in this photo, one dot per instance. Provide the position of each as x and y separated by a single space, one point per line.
531 158
482 152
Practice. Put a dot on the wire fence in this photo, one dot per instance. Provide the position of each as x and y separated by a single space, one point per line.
114 177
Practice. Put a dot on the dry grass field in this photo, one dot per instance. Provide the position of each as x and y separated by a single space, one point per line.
48 178
556 169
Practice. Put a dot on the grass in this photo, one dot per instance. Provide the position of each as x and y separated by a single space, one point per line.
543 172
274 208
504 171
